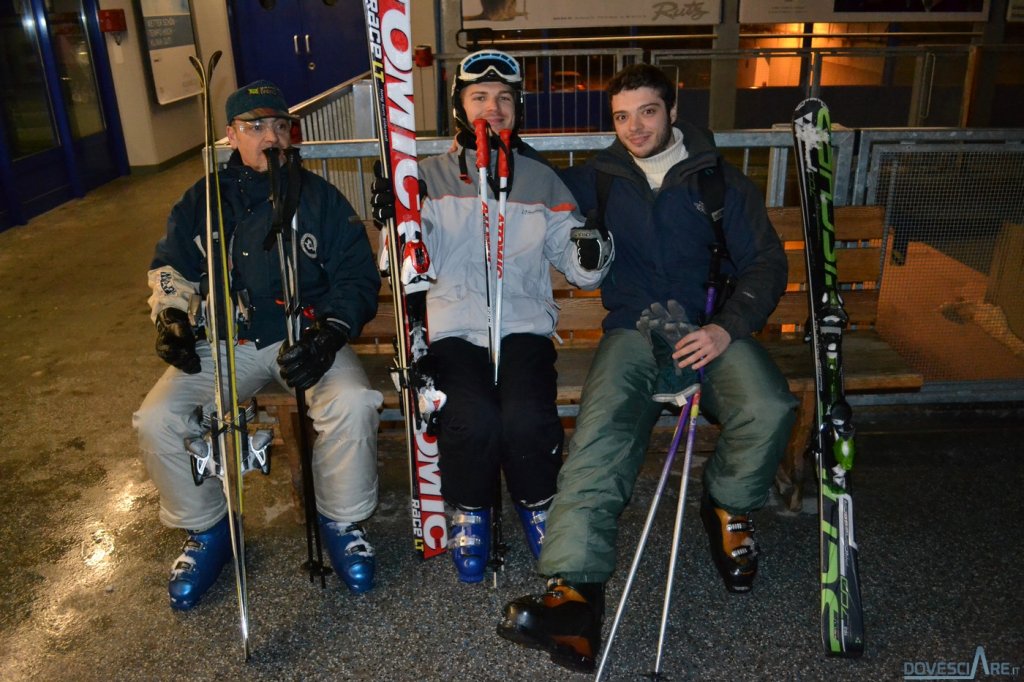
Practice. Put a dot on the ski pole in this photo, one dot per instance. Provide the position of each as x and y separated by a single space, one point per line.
686 398
691 409
504 150
483 159
292 309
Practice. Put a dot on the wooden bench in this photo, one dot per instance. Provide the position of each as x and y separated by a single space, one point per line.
870 364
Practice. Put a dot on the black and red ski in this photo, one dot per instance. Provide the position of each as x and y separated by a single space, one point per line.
390 42
842 617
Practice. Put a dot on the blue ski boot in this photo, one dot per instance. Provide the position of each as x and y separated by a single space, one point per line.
534 521
202 557
470 542
351 553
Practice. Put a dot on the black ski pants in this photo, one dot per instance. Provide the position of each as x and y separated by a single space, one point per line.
512 427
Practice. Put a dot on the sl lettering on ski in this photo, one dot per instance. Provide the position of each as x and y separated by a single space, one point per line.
828 233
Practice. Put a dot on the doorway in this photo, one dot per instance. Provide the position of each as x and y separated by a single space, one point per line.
60 134
304 46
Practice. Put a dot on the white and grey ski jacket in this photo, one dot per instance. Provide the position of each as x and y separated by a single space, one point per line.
539 215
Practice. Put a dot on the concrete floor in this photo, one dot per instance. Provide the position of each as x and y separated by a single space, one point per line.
84 560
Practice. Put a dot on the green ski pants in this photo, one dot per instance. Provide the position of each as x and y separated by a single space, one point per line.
743 391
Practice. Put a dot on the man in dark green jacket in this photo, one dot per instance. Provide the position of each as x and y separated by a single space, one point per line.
663 241
338 284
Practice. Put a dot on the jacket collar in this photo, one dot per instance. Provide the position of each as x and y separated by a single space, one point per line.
700 145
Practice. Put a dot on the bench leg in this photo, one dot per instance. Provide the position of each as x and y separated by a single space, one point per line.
287 428
792 473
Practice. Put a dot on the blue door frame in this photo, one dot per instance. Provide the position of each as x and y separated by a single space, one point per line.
42 181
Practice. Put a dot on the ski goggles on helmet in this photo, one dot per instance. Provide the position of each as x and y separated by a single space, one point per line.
489 64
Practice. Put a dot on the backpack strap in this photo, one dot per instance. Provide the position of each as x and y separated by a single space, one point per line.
712 196
604 187
711 182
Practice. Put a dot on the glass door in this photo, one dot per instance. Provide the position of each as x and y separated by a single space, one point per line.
56 142
31 140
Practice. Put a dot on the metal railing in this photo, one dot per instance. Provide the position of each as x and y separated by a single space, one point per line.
950 195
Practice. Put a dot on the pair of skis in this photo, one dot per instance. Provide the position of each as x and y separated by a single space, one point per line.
389 37
227 451
229 440
842 618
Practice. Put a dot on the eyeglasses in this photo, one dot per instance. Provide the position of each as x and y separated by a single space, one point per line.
478 65
259 127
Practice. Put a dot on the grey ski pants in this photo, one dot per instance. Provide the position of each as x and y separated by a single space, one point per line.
743 390
345 413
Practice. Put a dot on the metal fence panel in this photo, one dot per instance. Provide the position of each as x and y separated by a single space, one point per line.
948 206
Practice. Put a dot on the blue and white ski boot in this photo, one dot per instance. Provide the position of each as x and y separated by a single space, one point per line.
534 522
202 557
351 553
470 542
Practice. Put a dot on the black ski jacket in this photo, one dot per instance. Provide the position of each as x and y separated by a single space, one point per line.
338 277
662 240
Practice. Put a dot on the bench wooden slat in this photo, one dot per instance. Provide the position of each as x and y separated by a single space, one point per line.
854 265
869 363
853 223
861 307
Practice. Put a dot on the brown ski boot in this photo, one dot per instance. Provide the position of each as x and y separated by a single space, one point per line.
564 621
732 545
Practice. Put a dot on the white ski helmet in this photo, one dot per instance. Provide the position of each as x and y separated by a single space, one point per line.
487 66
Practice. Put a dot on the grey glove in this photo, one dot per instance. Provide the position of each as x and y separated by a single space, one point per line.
663 328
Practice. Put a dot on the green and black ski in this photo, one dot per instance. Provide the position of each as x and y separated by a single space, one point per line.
842 618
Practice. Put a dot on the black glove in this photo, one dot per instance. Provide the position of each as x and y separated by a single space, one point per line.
382 197
175 341
593 243
304 363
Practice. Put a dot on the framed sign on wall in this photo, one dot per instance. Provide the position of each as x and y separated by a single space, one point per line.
169 41
515 15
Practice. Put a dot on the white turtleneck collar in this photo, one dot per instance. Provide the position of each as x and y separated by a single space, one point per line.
655 167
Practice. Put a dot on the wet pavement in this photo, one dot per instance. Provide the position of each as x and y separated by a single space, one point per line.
84 560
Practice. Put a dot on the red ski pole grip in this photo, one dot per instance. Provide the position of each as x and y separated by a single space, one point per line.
483 148
506 149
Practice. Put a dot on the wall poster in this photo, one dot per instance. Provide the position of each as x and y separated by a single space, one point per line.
168 39
540 14
786 11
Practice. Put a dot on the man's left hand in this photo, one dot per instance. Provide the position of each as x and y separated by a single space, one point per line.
304 363
697 349
593 243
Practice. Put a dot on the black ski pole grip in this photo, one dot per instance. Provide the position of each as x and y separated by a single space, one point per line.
274 171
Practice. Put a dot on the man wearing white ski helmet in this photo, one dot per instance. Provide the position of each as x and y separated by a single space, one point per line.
493 306
487 66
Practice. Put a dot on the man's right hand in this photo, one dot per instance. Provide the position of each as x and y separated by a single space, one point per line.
175 342
382 197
